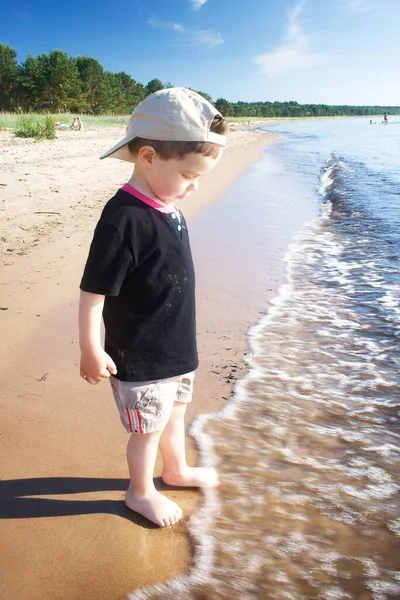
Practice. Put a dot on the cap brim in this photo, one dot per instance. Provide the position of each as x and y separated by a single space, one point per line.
120 150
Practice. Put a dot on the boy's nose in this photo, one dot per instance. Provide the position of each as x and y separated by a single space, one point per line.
194 185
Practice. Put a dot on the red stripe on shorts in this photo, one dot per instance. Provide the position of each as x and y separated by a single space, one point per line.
139 420
130 420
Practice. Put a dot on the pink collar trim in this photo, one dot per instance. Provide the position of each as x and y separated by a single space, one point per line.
134 192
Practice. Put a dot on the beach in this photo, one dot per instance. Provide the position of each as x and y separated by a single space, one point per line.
65 531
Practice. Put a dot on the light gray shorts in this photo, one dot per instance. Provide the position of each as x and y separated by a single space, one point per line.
145 406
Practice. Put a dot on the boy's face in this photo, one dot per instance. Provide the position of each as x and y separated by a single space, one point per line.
176 178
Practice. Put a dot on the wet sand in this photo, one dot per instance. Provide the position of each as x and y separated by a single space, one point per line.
65 531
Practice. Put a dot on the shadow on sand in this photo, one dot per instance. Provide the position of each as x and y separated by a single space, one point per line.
16 501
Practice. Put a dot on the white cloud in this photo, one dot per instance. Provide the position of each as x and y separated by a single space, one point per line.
197 4
294 53
204 38
156 24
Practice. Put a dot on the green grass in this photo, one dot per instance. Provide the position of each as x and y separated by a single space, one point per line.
106 120
10 120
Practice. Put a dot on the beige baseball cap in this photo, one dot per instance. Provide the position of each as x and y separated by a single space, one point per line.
171 115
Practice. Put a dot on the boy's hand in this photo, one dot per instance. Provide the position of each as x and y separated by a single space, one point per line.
96 366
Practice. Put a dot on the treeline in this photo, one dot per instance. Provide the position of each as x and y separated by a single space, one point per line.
293 109
56 83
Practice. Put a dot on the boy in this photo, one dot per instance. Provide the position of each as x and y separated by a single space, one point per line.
139 276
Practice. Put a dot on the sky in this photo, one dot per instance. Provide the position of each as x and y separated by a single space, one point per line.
309 51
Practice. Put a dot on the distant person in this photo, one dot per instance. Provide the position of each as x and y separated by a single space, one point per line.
139 275
77 124
385 119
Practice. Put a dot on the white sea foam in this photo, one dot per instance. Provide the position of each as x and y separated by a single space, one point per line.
326 180
391 301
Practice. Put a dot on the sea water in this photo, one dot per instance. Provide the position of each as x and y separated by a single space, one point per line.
308 449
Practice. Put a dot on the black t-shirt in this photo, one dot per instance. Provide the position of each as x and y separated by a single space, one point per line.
140 259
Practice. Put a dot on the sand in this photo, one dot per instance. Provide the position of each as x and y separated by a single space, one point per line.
65 532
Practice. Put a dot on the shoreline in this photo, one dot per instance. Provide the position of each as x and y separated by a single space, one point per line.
62 439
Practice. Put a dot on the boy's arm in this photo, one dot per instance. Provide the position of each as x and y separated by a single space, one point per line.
95 365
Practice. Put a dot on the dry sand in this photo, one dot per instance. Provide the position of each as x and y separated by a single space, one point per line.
65 532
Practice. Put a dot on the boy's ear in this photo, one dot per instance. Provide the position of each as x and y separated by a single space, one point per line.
146 155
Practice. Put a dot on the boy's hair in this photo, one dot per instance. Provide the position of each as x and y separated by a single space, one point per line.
167 150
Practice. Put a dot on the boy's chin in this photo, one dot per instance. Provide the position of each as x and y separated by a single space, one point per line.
182 197
175 198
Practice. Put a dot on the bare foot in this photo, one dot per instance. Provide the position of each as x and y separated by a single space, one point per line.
155 507
192 477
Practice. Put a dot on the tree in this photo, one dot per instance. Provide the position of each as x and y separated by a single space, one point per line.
51 82
31 82
267 110
93 84
8 77
223 106
206 96
154 85
123 92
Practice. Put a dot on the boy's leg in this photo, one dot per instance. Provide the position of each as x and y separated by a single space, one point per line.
143 407
172 446
142 496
